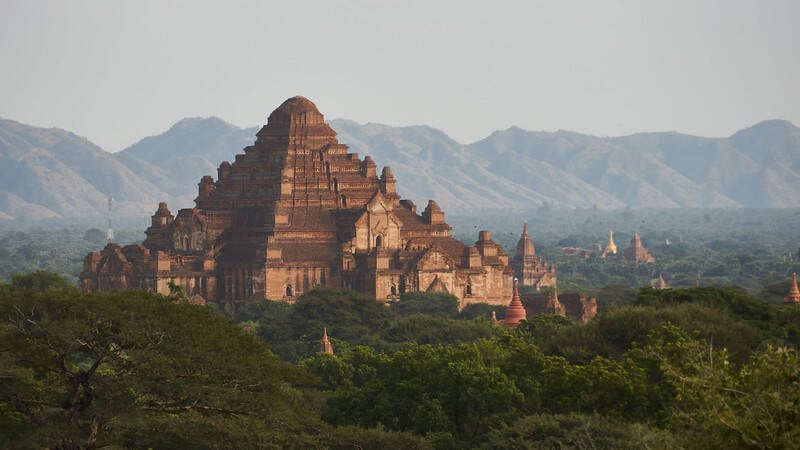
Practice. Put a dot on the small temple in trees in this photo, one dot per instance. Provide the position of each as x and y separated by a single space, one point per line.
296 210
636 253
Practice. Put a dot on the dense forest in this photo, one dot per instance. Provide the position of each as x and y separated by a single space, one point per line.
701 367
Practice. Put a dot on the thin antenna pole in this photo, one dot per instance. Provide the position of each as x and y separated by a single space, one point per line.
110 231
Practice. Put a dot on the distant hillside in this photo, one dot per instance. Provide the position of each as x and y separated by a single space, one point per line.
51 173
757 167
176 159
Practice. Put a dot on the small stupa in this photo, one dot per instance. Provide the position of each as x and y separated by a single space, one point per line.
325 345
495 322
660 283
515 313
794 294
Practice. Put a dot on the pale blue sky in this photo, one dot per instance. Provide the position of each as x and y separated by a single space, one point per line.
117 71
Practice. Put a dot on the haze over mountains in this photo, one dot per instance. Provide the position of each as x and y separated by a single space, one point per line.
52 173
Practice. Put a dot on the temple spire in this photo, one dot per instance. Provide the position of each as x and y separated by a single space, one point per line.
325 345
636 253
554 306
611 247
661 284
794 293
515 313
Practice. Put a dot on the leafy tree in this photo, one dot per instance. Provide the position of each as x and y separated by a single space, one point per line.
134 369
425 329
434 304
484 310
718 406
542 326
578 431
39 281
425 389
348 315
350 437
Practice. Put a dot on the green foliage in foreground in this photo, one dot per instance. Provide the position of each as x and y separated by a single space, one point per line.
294 331
694 368
659 374
136 370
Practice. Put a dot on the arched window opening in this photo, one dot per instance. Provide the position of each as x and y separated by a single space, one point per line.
469 289
289 290
393 289
378 241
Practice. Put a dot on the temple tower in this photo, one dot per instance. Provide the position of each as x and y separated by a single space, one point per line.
794 293
531 270
636 253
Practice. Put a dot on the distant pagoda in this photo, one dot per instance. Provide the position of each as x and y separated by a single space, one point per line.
611 247
530 269
636 253
794 293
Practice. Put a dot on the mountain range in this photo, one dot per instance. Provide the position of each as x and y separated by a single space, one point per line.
48 173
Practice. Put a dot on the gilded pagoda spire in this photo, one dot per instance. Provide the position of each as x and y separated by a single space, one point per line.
325 345
611 247
794 293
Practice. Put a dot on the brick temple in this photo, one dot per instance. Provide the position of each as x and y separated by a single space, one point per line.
529 268
296 210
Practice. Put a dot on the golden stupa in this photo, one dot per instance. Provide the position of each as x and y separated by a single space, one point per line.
611 247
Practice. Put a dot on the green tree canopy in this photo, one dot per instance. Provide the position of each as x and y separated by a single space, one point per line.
433 304
39 281
134 369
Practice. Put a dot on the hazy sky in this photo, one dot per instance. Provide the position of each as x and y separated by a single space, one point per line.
117 71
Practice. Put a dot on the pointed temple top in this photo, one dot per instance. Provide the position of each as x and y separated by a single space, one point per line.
525 245
325 345
611 247
661 284
515 313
